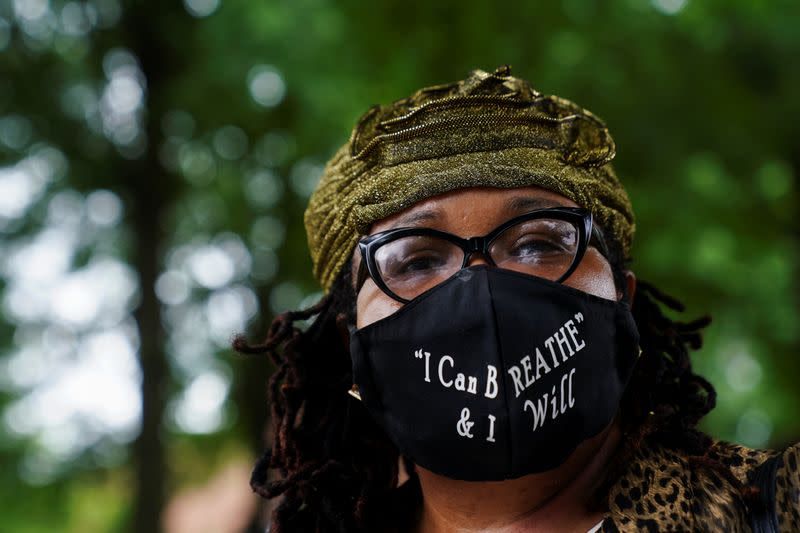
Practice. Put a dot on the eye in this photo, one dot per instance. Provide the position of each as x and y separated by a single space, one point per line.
535 245
420 261
416 256
536 241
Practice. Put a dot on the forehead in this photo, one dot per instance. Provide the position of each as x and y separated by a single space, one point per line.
472 207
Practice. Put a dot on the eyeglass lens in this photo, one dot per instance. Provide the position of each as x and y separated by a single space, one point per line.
541 247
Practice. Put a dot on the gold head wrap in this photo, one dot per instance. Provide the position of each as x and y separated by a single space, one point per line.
490 130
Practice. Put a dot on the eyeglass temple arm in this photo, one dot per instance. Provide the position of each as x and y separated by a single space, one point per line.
362 274
596 238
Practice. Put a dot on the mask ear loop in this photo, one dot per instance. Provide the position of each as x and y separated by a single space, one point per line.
344 334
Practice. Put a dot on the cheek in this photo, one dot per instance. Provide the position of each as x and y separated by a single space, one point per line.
594 276
372 305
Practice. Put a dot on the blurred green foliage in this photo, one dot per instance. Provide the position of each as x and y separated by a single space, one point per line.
210 123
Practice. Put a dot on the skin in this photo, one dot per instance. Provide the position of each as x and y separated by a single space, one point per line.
556 500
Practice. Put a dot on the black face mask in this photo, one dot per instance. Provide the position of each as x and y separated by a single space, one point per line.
495 374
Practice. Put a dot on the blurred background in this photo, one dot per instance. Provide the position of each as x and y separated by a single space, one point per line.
156 157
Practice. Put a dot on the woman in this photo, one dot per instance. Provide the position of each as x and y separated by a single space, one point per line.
483 359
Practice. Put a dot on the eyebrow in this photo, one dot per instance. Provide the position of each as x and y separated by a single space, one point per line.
518 204
526 203
413 219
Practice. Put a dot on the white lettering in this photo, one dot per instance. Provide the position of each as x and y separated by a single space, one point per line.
428 367
541 364
571 398
464 425
472 385
526 365
441 368
491 381
516 376
460 381
552 402
539 411
549 344
490 438
561 339
573 332
419 354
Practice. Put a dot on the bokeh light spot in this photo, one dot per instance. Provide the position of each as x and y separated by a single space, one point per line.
5 33
31 9
266 85
265 265
263 189
104 208
74 19
201 8
42 259
119 61
81 398
743 372
101 292
230 142
199 408
774 179
704 173
228 311
274 149
196 162
124 94
107 12
285 296
669 7
172 287
232 245
17 192
15 131
211 267
79 101
267 232
714 247
304 177
754 428
65 209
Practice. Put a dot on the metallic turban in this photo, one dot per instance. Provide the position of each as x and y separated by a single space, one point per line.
489 130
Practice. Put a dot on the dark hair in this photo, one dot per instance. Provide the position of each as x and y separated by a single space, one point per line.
337 471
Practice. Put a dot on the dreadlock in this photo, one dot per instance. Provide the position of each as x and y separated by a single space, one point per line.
338 472
333 461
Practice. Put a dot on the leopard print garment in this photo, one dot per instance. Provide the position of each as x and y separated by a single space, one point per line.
664 490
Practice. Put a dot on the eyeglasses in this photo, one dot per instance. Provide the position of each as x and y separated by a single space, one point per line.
547 243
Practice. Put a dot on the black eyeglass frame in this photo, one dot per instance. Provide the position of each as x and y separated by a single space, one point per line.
581 218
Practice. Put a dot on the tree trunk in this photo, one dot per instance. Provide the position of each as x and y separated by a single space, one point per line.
151 191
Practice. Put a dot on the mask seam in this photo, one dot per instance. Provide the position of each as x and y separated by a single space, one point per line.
408 307
369 388
611 304
501 374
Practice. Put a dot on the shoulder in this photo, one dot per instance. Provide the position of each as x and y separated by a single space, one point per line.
741 461
652 492
746 463
787 490
671 489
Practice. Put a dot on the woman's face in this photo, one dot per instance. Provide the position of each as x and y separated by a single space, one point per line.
471 212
